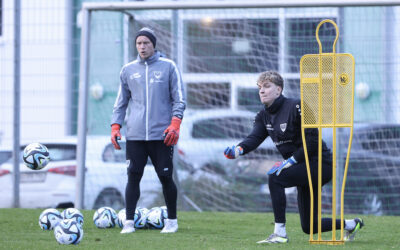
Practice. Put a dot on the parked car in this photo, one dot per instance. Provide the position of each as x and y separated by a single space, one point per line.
373 178
215 182
5 155
205 134
55 185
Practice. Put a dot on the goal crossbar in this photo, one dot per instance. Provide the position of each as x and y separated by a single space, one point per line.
228 4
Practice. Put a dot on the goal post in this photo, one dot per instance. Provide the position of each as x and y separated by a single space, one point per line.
220 48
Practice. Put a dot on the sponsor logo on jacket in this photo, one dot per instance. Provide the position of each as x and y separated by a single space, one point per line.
135 76
278 143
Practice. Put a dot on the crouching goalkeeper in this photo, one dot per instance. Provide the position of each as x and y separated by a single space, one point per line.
281 120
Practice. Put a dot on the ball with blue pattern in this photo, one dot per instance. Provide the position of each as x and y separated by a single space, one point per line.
139 218
105 217
68 232
73 214
155 218
36 156
49 218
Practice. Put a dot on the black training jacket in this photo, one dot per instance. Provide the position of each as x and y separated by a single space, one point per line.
282 122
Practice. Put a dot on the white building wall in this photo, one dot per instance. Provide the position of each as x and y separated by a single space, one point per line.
43 70
396 64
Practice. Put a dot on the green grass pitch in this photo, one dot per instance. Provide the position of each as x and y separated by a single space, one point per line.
19 229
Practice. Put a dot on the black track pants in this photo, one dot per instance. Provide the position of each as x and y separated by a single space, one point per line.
296 176
137 153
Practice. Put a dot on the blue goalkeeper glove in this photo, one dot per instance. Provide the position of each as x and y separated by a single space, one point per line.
279 166
233 152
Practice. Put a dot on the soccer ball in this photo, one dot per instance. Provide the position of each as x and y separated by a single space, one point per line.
49 218
73 214
165 211
105 217
144 211
121 217
36 156
139 217
68 232
155 218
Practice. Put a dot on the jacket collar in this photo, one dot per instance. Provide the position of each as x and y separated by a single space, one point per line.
151 59
276 105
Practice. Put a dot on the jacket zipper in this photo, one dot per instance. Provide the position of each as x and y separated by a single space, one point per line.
147 101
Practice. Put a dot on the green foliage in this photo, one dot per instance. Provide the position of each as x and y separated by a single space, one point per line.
208 230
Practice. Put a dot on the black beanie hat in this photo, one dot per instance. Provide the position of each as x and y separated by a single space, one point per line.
149 33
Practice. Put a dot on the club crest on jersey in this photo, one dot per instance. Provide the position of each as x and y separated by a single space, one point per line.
283 126
157 74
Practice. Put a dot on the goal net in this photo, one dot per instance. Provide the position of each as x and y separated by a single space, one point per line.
221 52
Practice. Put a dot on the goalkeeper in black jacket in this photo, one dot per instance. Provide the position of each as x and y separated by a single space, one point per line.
281 120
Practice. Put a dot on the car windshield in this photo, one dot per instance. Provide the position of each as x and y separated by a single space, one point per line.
385 140
223 128
112 155
62 152
4 156
381 139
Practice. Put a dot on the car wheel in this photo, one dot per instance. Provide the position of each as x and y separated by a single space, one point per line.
110 198
372 203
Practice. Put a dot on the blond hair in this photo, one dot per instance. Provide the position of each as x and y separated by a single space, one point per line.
270 76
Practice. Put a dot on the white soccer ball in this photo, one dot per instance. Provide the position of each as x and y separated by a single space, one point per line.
121 217
105 217
97 91
362 90
139 217
141 221
73 214
68 232
36 156
165 211
49 218
155 218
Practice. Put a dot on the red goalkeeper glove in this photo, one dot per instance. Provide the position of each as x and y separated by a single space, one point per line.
172 132
115 135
